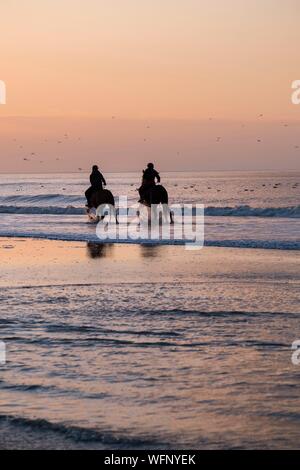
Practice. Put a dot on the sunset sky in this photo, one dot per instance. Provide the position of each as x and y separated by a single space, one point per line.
180 82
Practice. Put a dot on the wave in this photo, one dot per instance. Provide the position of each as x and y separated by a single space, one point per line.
211 211
41 198
27 387
40 210
251 243
246 314
92 329
82 434
259 244
247 211
51 389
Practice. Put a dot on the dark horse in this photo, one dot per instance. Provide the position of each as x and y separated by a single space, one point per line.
102 200
158 195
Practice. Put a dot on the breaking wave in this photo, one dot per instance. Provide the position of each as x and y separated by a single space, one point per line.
211 211
81 434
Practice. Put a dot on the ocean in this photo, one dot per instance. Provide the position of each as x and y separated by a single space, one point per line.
242 209
122 346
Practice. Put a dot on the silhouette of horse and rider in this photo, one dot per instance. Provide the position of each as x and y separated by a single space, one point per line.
150 191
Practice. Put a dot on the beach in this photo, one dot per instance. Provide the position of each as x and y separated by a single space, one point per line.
150 229
139 346
142 344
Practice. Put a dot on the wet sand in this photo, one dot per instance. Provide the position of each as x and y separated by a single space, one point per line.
186 292
28 262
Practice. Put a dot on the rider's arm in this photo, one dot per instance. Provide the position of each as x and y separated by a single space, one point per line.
103 180
157 177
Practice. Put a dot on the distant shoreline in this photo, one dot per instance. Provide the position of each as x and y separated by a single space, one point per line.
288 170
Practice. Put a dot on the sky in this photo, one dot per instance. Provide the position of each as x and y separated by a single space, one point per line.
189 84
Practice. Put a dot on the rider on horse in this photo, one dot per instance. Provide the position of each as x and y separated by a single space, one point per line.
148 181
97 180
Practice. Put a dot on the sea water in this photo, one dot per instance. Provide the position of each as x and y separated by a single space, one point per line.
138 346
242 209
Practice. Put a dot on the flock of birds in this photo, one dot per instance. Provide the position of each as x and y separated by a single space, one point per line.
251 190
33 156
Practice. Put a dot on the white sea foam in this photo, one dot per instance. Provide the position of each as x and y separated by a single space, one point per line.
258 210
212 211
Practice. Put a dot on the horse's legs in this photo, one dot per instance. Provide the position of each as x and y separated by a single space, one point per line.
165 212
168 213
99 214
112 209
149 210
115 214
171 217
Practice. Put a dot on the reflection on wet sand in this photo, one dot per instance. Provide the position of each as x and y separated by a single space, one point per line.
109 250
99 250
149 250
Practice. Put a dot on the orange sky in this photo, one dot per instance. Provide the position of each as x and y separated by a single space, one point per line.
142 61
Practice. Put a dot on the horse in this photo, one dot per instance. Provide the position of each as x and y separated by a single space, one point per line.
158 195
99 200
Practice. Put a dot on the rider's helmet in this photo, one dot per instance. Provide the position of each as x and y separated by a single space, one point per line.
150 166
95 167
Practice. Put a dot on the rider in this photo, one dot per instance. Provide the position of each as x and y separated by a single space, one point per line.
148 181
97 180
